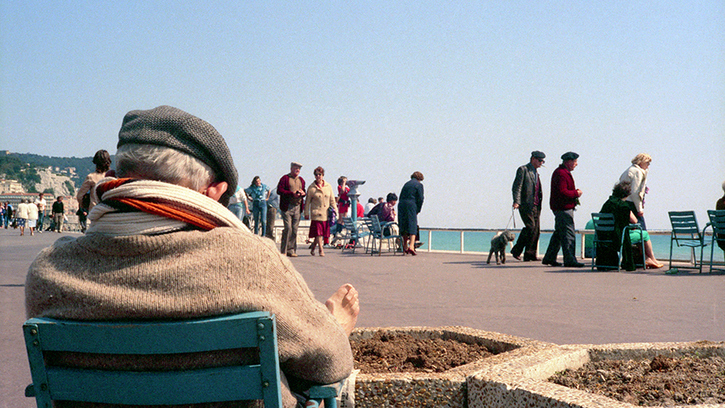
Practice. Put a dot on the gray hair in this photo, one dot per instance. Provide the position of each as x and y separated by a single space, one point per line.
162 163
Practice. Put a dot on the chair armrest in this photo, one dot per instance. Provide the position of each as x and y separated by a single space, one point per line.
325 391
709 224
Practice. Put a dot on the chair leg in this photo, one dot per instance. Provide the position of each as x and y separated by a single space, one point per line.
694 258
712 251
619 260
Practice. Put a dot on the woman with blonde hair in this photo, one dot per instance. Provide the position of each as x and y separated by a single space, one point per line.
320 199
636 176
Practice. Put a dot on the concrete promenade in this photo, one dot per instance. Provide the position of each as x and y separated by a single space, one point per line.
557 305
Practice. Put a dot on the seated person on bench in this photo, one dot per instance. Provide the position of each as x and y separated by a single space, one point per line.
623 216
162 245
385 211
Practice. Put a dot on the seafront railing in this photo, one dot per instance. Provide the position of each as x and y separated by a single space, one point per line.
477 241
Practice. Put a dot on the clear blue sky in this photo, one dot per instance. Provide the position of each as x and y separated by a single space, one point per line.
461 91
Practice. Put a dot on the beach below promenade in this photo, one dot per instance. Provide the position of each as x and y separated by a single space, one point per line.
553 304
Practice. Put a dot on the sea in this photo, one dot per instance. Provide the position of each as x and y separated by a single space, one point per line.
449 240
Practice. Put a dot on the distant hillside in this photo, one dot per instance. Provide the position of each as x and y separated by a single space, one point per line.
82 165
13 168
31 171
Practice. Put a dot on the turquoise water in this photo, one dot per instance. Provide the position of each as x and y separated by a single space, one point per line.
480 241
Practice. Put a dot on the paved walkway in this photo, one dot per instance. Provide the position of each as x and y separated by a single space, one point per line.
557 305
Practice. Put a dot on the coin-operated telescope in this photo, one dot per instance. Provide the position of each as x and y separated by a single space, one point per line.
353 194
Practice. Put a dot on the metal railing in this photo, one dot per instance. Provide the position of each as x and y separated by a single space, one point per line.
427 236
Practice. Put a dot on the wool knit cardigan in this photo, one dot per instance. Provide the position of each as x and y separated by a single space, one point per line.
191 274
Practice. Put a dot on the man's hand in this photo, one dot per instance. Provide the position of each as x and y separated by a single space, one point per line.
516 206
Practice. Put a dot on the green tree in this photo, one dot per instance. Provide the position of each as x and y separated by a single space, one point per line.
13 168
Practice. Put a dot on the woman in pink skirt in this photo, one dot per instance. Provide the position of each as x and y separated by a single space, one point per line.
320 198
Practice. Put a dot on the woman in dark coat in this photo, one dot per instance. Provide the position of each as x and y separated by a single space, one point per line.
409 204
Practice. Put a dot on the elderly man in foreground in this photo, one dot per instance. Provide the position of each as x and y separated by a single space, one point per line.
163 245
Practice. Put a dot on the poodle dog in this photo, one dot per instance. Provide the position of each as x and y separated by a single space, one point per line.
498 246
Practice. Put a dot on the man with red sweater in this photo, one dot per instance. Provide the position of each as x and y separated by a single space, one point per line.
564 197
291 191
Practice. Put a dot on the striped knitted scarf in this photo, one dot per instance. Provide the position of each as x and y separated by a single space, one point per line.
144 207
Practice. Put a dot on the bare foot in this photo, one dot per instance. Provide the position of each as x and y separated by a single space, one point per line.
650 264
345 306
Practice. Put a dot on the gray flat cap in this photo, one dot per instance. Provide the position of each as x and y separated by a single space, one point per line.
174 128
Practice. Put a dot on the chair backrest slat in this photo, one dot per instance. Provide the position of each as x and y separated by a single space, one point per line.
154 387
133 338
352 229
717 221
374 226
603 222
684 226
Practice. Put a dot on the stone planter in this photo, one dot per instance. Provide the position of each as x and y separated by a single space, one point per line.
522 382
446 389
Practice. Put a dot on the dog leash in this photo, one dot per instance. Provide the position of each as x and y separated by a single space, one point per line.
510 219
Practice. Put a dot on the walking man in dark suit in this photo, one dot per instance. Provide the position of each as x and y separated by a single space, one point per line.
527 199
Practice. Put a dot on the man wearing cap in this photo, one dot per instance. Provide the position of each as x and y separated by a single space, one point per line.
564 197
162 245
527 199
291 191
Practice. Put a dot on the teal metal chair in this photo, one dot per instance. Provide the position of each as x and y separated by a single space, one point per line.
604 236
354 234
377 233
686 233
717 223
237 382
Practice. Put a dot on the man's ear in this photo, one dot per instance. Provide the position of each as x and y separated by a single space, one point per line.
216 190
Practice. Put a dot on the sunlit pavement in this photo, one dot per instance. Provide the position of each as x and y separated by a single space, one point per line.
553 304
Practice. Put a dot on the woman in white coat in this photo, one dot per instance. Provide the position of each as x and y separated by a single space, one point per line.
636 176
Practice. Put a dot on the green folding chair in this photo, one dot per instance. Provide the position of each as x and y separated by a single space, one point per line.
354 234
717 223
686 233
605 237
259 380
377 231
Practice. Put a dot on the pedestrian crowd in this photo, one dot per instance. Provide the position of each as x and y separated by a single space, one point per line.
292 198
626 204
29 215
